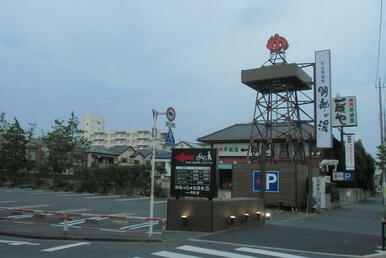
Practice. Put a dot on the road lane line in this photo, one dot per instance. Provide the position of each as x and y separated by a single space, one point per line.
103 196
61 247
212 252
11 242
265 252
174 255
274 248
132 199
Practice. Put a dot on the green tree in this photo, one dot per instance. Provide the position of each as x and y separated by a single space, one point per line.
364 169
381 156
14 148
66 145
3 127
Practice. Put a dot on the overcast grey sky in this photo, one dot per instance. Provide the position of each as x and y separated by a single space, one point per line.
126 57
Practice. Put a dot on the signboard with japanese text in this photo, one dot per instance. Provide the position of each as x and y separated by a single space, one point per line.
349 151
231 149
323 99
344 111
193 172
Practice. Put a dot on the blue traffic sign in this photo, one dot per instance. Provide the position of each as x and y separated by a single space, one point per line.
272 181
169 139
348 176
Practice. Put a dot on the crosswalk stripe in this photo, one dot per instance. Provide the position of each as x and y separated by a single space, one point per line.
212 252
57 248
266 252
174 255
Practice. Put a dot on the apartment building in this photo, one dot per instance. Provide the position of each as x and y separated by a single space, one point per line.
93 125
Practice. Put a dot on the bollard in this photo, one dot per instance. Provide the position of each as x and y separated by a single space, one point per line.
65 225
163 228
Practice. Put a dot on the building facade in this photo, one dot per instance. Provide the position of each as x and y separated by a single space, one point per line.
92 123
94 127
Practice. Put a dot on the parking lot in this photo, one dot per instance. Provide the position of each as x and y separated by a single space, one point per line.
352 231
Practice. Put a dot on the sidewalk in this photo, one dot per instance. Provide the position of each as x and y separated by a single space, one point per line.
353 230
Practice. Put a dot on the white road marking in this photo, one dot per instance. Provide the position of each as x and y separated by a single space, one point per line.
274 248
212 252
57 248
72 194
140 225
131 199
288 220
1 202
11 242
174 255
20 216
30 215
102 196
158 202
265 252
376 254
80 221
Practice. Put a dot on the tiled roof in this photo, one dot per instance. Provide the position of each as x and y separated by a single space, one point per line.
119 149
242 133
101 150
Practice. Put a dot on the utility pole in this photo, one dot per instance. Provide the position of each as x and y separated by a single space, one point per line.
380 87
381 121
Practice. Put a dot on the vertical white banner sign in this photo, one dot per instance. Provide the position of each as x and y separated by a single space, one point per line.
323 99
349 151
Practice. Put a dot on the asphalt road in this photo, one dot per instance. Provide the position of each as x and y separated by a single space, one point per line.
353 231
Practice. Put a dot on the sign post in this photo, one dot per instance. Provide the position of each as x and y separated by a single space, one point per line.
170 115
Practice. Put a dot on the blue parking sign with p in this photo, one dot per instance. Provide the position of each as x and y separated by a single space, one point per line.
272 180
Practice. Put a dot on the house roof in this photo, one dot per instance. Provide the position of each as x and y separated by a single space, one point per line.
242 133
190 144
99 150
143 152
163 155
119 149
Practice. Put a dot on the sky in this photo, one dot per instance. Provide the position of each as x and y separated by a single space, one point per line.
123 58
